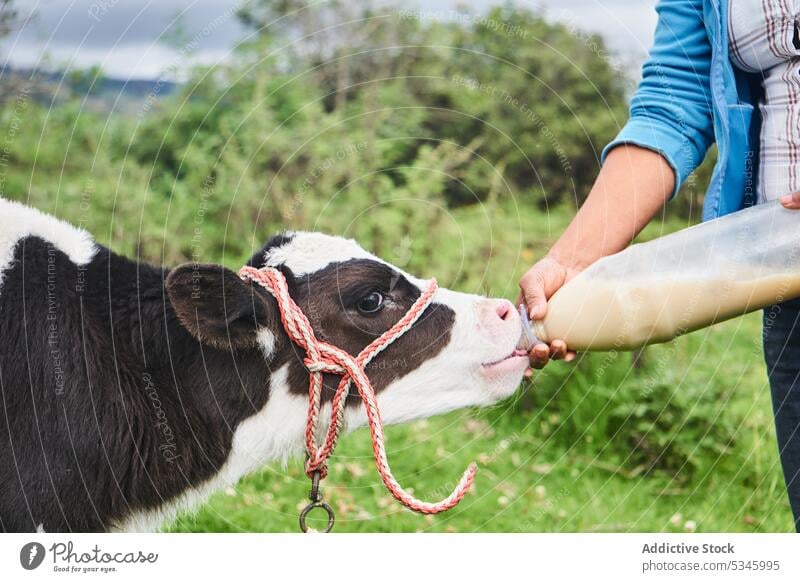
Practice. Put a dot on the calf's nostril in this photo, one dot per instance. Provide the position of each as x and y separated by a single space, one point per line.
504 310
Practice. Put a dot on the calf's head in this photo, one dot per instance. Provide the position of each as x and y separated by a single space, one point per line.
461 352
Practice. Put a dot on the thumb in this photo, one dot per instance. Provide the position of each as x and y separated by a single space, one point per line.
533 294
791 201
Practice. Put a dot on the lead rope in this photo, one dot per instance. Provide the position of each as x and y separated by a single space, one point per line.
322 357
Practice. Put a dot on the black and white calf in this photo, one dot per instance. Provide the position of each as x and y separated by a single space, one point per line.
130 391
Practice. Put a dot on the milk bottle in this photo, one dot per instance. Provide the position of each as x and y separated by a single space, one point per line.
658 290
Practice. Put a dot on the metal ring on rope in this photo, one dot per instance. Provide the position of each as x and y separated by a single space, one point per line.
311 507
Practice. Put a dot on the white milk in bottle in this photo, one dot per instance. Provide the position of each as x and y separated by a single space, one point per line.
655 291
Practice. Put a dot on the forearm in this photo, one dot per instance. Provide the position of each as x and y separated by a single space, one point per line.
633 184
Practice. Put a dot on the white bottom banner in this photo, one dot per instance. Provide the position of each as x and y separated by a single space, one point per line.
354 557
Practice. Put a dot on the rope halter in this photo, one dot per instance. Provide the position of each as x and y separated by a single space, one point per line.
322 357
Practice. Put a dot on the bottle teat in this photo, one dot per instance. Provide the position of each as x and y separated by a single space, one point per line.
529 338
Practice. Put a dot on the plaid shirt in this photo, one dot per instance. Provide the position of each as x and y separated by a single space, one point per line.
763 38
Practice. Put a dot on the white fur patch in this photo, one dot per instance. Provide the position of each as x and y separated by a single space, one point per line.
267 339
275 432
18 221
308 252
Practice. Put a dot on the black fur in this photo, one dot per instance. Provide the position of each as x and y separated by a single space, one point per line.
108 402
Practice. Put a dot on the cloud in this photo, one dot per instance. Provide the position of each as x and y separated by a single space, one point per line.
133 39
128 38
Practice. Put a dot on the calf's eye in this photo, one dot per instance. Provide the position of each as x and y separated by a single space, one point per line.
371 303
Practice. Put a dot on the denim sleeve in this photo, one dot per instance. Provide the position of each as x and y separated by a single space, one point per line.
671 111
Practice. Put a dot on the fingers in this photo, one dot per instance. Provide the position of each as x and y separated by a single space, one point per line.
558 350
540 354
535 301
532 286
539 283
791 201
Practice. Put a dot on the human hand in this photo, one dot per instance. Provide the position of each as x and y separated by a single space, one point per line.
537 285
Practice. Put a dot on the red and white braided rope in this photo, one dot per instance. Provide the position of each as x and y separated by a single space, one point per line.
322 357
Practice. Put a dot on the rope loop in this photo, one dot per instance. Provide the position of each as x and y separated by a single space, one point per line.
322 357
316 366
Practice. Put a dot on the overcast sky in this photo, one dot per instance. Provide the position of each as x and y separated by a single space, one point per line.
129 39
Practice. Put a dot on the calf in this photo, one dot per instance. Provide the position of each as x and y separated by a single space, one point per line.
131 392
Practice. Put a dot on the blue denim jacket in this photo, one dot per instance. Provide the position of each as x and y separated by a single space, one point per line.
691 96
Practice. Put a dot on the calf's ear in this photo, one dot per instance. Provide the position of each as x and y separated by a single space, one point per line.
220 309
